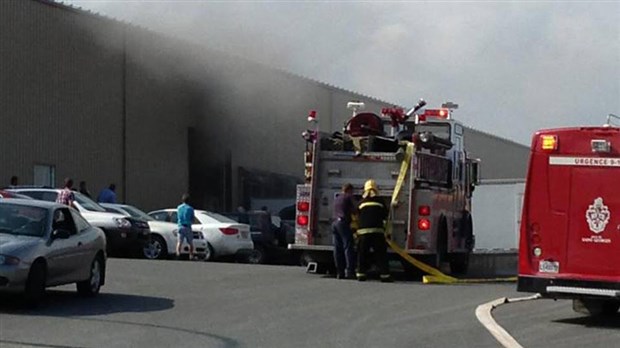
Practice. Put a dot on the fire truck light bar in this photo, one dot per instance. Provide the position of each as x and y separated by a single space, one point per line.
443 113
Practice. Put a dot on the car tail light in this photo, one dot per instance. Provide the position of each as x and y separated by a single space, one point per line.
424 210
229 231
549 142
302 220
303 206
424 224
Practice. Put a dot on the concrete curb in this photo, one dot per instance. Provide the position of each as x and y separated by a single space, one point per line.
485 317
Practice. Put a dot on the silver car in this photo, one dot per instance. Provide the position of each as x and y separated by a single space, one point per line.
44 244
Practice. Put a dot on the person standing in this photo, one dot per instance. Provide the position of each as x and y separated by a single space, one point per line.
344 255
66 196
14 181
107 195
185 218
83 190
371 233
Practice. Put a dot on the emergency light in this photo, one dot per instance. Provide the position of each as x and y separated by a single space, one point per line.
600 145
439 113
312 116
549 142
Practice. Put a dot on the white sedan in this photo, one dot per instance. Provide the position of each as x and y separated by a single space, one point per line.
164 235
225 237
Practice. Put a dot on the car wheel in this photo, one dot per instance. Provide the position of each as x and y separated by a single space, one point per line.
209 253
91 286
156 248
35 285
257 256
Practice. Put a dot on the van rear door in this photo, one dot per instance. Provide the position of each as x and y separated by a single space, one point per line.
593 245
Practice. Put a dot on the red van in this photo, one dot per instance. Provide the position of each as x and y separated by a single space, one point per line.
570 232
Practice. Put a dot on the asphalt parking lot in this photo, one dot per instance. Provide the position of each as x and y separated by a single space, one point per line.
191 304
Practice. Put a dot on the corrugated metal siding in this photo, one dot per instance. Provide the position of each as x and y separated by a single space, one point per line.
60 101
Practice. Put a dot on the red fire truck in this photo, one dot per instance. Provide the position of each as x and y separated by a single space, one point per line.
570 231
432 219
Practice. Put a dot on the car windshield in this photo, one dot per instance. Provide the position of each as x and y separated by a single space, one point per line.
88 203
209 217
23 220
137 213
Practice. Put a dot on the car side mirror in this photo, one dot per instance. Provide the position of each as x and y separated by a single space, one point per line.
61 234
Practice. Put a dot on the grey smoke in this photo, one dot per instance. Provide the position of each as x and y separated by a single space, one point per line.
513 67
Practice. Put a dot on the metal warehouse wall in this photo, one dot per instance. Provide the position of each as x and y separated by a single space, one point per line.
500 158
71 92
60 105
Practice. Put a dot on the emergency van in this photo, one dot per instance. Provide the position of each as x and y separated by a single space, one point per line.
569 244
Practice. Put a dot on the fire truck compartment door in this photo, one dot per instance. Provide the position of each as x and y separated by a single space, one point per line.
594 222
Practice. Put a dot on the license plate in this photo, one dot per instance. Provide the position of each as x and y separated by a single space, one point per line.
244 234
549 267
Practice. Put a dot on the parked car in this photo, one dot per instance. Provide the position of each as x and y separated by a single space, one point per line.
125 235
46 244
9 194
225 237
265 231
164 235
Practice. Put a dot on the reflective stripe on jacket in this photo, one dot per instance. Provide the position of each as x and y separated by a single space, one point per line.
372 214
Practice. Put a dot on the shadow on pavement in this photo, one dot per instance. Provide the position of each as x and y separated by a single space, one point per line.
610 321
68 303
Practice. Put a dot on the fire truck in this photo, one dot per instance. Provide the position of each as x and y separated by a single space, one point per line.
570 228
432 218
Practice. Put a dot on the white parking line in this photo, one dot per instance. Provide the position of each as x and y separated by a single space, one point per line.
485 317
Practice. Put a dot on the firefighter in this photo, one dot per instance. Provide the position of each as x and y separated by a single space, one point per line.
371 233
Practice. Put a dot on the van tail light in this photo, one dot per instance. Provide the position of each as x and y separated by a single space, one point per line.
549 142
535 239
424 224
424 210
229 231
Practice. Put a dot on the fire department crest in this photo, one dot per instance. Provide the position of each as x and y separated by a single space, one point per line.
597 216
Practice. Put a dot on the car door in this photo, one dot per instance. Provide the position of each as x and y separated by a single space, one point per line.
63 253
87 246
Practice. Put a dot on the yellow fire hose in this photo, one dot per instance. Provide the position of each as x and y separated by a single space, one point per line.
434 275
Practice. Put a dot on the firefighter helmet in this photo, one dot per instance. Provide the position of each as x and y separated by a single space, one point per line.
370 188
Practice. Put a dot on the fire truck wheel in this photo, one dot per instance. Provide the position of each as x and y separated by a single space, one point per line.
459 263
596 306
442 243
467 231
611 307
411 272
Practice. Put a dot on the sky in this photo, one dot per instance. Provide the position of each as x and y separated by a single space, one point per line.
512 66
